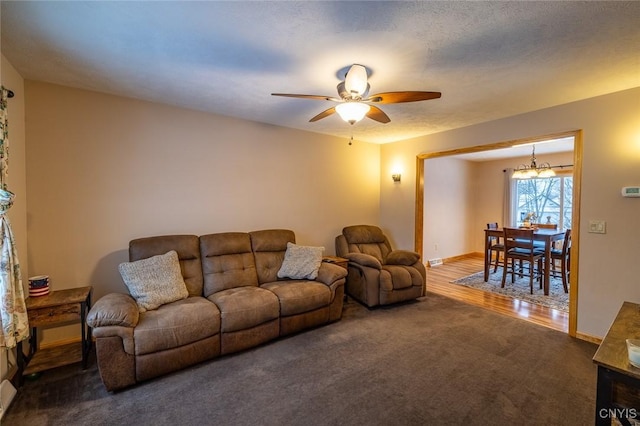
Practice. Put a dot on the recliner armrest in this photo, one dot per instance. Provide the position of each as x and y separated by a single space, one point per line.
329 273
364 260
402 257
114 309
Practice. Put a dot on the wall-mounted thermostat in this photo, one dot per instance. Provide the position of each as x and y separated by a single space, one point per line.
631 191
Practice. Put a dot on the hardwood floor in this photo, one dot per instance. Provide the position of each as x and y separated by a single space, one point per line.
439 281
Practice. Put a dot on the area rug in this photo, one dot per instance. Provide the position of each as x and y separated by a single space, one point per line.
557 298
435 361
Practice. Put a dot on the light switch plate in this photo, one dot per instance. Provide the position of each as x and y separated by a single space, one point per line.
597 227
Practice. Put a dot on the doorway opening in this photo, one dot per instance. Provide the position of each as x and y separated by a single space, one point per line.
470 229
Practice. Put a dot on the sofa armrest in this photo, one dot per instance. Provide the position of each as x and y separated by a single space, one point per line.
124 333
115 309
402 257
330 273
364 260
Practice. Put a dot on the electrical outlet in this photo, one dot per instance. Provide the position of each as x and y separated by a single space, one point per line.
597 227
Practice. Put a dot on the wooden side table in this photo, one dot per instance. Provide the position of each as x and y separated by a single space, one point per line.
618 388
58 308
340 261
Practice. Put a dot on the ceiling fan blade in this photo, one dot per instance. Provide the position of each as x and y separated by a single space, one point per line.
318 97
377 114
323 114
399 97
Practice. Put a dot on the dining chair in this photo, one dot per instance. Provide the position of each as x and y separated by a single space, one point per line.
553 226
495 246
546 225
564 256
518 245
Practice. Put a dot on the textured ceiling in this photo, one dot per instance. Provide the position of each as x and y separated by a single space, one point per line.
489 59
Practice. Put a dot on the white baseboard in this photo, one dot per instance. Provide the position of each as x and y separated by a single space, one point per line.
7 393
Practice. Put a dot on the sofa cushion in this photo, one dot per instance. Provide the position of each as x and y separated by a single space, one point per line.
363 234
269 247
298 297
402 257
176 324
242 308
367 239
400 277
154 281
301 262
227 261
188 249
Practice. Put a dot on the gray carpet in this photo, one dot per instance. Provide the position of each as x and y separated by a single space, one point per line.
557 298
434 361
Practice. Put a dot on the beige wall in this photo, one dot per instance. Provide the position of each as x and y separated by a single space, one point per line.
461 197
103 170
449 203
609 269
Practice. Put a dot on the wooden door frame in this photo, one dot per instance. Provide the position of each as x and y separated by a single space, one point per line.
575 215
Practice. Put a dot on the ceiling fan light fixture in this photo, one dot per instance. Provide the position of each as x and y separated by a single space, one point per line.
356 80
352 112
353 102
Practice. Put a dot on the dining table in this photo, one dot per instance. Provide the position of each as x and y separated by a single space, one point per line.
548 236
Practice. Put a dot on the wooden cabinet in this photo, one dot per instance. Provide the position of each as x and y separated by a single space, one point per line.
58 308
55 314
618 389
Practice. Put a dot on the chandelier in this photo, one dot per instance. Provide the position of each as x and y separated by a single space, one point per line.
533 170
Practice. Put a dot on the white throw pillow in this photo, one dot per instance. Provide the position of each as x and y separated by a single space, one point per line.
301 262
155 281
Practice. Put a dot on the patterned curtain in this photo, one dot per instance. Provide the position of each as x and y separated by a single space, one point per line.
13 312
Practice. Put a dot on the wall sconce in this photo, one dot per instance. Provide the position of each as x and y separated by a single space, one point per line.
396 177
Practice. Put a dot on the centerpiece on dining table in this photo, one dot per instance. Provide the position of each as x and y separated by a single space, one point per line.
528 221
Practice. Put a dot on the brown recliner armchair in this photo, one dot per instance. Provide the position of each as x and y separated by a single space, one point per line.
379 275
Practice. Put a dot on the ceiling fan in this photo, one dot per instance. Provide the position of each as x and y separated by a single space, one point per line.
354 103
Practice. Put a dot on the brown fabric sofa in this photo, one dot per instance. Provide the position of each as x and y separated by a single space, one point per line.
236 301
379 275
